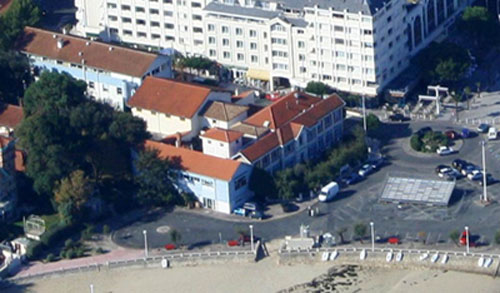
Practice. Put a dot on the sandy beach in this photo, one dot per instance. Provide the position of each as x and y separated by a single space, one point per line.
264 276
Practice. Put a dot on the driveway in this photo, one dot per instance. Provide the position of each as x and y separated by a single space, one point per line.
358 203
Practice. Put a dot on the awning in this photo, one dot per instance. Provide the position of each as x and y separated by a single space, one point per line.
259 74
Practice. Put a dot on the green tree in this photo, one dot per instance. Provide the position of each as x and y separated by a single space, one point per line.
175 236
457 98
416 143
14 76
497 237
317 88
155 177
479 25
286 184
72 193
360 230
20 14
262 184
454 236
341 232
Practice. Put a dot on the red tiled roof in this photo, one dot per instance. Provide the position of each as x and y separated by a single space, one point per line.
292 129
121 60
197 162
169 96
222 134
10 115
283 110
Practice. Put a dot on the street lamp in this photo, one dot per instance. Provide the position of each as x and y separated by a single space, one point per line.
485 192
91 288
467 238
372 230
145 233
251 237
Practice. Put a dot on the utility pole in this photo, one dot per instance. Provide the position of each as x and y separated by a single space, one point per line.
251 238
145 233
485 192
372 230
467 238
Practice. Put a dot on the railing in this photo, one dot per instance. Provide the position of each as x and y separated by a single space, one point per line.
157 259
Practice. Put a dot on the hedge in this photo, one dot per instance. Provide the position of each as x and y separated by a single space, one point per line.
50 238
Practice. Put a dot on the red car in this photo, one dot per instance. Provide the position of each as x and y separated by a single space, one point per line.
451 134
170 246
232 243
463 239
393 240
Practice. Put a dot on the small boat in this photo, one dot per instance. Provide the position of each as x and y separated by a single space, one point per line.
480 261
334 255
399 256
435 257
488 262
424 256
325 255
445 259
388 257
362 255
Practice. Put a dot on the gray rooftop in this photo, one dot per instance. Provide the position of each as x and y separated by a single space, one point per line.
367 7
239 10
423 191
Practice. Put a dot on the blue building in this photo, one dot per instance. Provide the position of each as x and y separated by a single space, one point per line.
112 73
219 184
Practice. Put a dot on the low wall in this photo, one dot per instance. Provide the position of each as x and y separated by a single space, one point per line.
457 261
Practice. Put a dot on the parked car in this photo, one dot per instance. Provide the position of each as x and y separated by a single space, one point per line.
475 175
451 134
329 191
424 130
445 150
250 206
463 239
376 163
256 215
441 167
492 133
352 179
449 173
489 180
465 133
483 128
459 164
467 169
398 117
365 170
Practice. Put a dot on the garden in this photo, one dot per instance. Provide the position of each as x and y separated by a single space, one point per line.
429 141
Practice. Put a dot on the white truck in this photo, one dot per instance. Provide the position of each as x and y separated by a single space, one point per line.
329 191
492 133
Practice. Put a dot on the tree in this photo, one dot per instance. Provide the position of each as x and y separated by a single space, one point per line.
416 143
478 88
20 14
72 193
262 184
155 177
454 236
457 98
467 95
341 232
175 236
14 76
479 24
360 230
497 237
372 123
317 88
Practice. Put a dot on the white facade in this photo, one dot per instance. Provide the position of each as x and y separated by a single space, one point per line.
356 46
217 123
221 149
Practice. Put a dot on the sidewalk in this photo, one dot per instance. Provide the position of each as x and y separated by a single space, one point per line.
272 212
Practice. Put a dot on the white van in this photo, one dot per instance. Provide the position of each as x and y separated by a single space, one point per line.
329 191
492 133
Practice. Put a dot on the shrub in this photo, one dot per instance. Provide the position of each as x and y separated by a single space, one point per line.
105 229
50 257
99 250
34 250
416 143
70 253
69 243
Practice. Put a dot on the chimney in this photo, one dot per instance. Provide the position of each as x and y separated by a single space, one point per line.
54 36
236 91
80 53
87 44
296 95
178 138
60 43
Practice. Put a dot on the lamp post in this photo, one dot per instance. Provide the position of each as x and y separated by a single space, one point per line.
251 237
485 192
467 238
372 230
145 233
91 288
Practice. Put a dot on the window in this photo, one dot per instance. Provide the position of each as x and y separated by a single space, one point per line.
126 20
111 5
155 36
211 27
225 42
212 53
302 57
126 7
141 34
338 28
239 31
140 21
253 46
154 11
211 40
104 88
339 41
119 90
254 59
113 18
168 13
196 4
167 1
253 33
225 29
197 30
240 182
169 26
226 55
279 41
127 32
196 17
301 44
240 57
113 31
155 24
239 44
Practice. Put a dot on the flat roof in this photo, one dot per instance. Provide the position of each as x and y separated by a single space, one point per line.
421 191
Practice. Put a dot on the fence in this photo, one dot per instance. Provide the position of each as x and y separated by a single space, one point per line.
144 261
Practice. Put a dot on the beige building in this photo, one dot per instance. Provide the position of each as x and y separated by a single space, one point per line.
169 107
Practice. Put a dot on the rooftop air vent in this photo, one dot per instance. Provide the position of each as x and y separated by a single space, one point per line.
266 123
60 43
110 49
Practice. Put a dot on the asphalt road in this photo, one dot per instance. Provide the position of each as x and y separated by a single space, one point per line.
358 203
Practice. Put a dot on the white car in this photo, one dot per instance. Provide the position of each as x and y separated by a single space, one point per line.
474 174
444 150
365 170
492 133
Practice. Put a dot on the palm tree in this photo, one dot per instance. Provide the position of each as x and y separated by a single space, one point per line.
456 98
360 231
454 236
341 232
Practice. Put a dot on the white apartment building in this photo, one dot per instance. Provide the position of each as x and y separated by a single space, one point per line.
357 46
